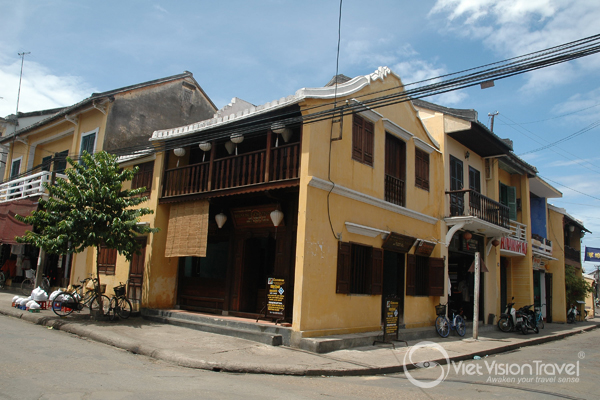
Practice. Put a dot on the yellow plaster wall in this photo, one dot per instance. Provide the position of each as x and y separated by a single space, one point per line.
50 148
318 310
557 268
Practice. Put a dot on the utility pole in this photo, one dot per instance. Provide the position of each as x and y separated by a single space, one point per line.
476 297
492 115
22 55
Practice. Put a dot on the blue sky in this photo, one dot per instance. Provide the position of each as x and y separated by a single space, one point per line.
264 50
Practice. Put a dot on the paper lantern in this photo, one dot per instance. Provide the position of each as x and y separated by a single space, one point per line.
230 146
221 219
276 217
237 139
179 152
205 146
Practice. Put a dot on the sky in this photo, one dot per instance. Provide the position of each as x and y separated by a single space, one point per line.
263 50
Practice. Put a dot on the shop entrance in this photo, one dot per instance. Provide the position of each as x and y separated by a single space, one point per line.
463 286
257 266
394 269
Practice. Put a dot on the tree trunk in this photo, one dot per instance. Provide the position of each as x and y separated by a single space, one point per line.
98 292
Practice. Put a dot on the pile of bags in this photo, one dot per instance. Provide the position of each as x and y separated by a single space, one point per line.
32 302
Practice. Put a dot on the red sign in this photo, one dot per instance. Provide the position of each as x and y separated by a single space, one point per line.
514 245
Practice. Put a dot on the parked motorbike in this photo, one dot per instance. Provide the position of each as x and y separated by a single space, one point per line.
508 319
529 322
572 314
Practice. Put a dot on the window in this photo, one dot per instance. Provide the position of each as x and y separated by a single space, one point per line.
15 168
60 161
88 142
421 169
474 180
360 269
508 197
424 276
143 178
362 140
107 260
395 170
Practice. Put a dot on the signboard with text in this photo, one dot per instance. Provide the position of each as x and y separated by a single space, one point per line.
398 243
254 217
275 298
390 323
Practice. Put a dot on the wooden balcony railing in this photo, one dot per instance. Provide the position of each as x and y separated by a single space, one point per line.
262 166
572 254
394 190
479 206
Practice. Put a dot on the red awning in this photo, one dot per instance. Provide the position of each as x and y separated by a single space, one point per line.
10 228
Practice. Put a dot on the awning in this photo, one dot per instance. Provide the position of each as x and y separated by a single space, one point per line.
10 227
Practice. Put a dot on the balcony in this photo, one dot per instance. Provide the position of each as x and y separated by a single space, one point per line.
278 164
541 246
515 244
479 206
394 190
572 254
28 186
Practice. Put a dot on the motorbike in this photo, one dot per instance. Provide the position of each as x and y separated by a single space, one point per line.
529 322
572 314
509 320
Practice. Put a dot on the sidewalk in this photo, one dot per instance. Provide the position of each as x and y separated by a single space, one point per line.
196 349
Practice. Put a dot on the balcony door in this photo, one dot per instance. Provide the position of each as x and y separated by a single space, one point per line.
395 170
457 202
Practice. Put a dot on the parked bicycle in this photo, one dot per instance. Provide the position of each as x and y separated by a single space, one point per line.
119 304
443 325
28 283
64 303
2 279
539 320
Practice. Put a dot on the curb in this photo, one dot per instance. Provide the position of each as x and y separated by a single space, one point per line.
251 368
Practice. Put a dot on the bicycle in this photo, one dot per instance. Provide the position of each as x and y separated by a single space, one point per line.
539 320
443 325
119 304
28 283
64 303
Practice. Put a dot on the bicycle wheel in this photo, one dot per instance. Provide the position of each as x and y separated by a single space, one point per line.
124 308
113 308
46 285
505 324
27 286
461 327
95 304
442 326
541 323
2 279
63 304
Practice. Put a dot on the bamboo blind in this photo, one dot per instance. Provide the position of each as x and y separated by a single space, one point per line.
188 230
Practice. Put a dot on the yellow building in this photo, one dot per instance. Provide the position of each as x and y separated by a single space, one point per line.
116 121
358 191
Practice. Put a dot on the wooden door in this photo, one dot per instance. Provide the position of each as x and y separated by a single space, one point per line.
136 275
548 297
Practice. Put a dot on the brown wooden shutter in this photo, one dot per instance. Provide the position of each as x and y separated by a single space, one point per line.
377 272
411 275
369 142
344 267
436 277
357 138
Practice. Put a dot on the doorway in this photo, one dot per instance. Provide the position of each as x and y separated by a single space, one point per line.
136 276
394 270
258 265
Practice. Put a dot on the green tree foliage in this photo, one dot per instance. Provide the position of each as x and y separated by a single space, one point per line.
89 209
577 288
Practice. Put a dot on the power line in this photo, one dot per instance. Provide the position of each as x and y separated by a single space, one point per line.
570 188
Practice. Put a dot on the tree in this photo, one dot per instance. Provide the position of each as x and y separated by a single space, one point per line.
576 287
89 209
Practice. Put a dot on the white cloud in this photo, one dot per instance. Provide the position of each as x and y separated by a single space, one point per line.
159 8
40 89
517 27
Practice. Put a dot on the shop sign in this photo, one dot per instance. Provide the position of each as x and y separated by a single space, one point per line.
390 323
514 245
253 217
471 245
398 243
275 298
424 248
538 263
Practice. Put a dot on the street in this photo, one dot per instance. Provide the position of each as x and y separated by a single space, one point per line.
42 363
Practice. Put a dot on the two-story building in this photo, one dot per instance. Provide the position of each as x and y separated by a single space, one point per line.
340 202
113 121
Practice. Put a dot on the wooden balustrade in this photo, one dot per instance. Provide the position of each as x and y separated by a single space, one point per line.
234 171
394 190
480 206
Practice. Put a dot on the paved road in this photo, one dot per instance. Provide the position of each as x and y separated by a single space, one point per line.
38 363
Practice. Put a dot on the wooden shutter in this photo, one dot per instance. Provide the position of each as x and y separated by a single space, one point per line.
357 138
377 272
368 144
46 162
411 275
436 277
421 169
344 266
512 202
